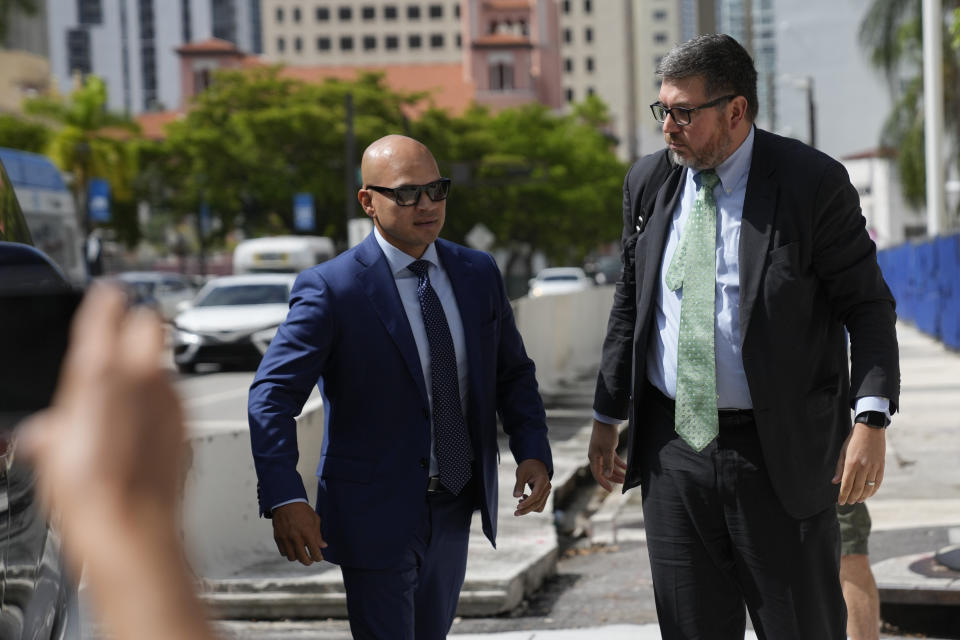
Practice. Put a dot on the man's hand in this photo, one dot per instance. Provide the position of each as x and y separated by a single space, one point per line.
860 467
532 473
296 530
607 467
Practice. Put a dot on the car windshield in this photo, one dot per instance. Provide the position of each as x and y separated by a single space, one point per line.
238 294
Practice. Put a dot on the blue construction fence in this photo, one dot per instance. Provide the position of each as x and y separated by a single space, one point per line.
925 279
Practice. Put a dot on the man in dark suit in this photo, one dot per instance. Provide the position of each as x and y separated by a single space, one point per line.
745 258
413 345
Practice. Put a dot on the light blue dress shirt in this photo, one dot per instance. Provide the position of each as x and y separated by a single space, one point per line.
406 282
661 365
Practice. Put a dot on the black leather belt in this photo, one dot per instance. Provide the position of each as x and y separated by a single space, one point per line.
728 417
434 486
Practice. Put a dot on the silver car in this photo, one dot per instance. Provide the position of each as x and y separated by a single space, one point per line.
231 321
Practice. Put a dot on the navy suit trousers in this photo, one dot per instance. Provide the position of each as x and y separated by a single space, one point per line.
417 598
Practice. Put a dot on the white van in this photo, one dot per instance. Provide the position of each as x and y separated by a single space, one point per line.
283 254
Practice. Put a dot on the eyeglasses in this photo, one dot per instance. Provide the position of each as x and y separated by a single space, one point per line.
683 115
409 194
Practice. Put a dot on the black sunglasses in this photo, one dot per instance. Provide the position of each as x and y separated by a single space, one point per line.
683 115
409 194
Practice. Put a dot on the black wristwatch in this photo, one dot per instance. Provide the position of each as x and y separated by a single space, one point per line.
873 419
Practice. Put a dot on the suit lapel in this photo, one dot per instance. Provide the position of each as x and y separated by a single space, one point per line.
649 251
379 285
759 208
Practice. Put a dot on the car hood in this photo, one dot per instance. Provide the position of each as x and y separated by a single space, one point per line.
248 317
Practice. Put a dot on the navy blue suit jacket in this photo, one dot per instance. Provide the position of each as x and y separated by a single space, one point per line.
347 332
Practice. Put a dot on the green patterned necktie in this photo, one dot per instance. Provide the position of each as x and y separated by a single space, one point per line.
694 269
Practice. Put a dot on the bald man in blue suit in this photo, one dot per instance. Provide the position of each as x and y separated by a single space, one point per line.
361 328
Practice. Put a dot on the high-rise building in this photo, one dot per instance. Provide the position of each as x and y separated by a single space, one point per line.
132 44
362 32
611 48
508 50
751 22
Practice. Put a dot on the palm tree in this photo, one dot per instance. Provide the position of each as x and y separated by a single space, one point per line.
88 140
891 32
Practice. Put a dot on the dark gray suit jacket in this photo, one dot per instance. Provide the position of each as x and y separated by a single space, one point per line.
808 270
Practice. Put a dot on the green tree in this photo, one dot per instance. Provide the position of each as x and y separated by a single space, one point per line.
892 33
539 181
88 141
20 133
254 139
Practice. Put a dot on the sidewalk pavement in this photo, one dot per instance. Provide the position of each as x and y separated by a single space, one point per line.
921 489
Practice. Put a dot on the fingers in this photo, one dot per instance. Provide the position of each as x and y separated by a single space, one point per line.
861 464
537 499
296 531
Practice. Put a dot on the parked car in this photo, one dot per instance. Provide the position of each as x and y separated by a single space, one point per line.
555 280
37 597
281 254
231 321
158 289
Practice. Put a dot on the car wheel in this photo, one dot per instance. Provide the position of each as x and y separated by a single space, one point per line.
187 367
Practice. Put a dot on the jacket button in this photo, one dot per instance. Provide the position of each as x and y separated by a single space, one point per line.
423 463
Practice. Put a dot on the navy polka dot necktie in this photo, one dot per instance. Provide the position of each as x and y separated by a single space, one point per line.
451 442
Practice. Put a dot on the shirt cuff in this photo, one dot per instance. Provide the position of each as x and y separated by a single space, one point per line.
277 506
872 403
599 417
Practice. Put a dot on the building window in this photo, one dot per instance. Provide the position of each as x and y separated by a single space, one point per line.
323 14
201 80
390 12
436 41
89 12
587 6
459 41
369 43
414 41
281 44
279 14
659 15
566 11
590 91
568 65
391 42
569 94
368 12
588 34
298 44
589 64
296 14
660 38
436 11
323 44
413 12
78 51
567 36
345 13
501 77
456 9
346 43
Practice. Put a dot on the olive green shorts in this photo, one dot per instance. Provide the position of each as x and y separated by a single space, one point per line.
854 528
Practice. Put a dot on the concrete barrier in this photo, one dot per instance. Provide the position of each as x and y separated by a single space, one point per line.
222 528
563 333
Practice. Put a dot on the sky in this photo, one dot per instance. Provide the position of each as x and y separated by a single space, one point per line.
818 38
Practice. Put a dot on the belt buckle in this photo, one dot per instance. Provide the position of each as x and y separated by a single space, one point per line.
434 486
